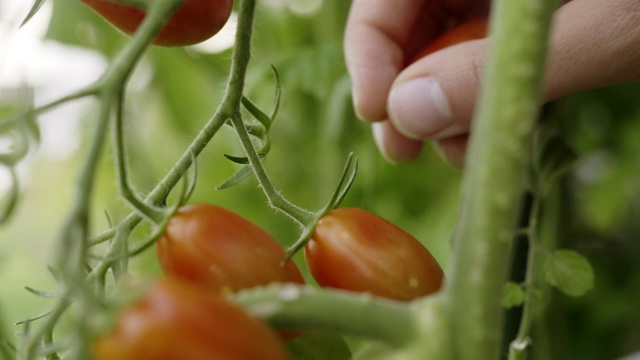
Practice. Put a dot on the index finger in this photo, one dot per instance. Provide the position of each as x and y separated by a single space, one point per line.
377 37
376 33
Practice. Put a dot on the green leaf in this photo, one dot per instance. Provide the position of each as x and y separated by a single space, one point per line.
569 272
348 176
277 95
18 150
318 346
34 9
237 177
256 112
513 295
34 318
10 198
43 294
242 160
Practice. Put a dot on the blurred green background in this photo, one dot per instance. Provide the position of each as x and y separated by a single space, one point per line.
176 90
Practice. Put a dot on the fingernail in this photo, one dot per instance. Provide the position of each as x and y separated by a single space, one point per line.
392 145
378 137
354 101
419 109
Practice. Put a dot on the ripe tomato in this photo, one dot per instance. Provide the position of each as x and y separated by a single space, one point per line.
353 249
471 30
176 320
210 245
194 22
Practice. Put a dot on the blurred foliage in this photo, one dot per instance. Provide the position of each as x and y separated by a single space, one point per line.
175 91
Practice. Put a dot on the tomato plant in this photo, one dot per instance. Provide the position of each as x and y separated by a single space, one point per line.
210 245
176 320
194 22
355 250
470 30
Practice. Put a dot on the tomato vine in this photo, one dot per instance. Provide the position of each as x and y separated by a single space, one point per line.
457 323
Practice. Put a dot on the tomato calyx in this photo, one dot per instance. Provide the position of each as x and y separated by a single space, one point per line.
346 180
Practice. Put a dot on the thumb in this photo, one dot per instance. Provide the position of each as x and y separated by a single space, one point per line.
593 44
433 98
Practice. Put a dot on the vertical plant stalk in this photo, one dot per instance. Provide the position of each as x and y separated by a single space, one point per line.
520 345
496 170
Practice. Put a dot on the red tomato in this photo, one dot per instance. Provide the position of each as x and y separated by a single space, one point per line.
353 249
209 245
194 22
176 320
471 30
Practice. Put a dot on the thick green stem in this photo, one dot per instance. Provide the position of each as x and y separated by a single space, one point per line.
496 168
304 307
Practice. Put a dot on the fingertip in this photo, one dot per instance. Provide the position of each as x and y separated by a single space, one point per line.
434 97
393 146
453 150
420 110
370 87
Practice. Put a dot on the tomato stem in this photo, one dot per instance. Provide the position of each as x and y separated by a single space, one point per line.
229 104
519 347
156 215
496 169
72 260
301 307
275 198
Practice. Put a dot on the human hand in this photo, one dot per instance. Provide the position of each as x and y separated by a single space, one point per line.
594 44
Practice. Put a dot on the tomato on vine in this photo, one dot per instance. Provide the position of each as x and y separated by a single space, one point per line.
470 30
212 246
177 320
194 22
353 249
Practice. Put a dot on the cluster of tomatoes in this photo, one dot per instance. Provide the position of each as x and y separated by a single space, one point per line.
209 253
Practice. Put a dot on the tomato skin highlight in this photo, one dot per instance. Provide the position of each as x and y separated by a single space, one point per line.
473 29
177 320
194 22
214 247
353 249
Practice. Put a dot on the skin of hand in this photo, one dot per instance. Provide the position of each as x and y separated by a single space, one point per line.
593 44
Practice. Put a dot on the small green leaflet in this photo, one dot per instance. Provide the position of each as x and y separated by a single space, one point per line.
569 272
513 295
